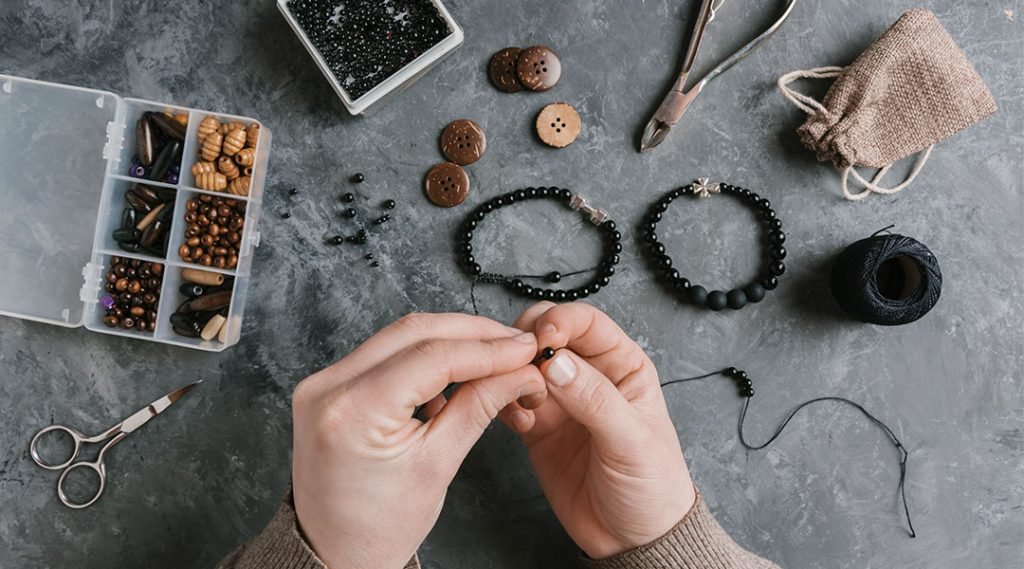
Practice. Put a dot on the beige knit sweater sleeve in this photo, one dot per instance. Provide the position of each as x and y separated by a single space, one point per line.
697 542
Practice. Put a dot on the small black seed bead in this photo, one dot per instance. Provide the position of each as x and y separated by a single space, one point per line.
286 215
547 353
358 178
389 204
293 191
369 257
348 198
769 283
336 240
731 371
349 212
747 392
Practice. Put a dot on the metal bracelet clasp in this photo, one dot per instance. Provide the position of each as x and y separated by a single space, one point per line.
579 203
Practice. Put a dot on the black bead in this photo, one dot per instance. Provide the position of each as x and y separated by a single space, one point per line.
754 198
612 260
657 248
470 225
736 299
531 192
665 262
731 371
389 204
336 240
382 219
659 208
465 236
671 275
651 237
527 290
464 248
468 260
519 194
615 247
609 225
754 292
348 198
769 283
510 199
777 268
584 292
768 214
614 235
697 295
778 237
717 300
349 212
648 226
676 193
764 204
564 194
553 277
603 280
778 252
654 217
744 192
487 207
543 192
358 178
548 294
286 215
746 383
572 294
480 215
682 284
747 392
594 287
498 202
475 269
607 270
517 285
741 375
293 191
538 294
547 353
775 224
560 295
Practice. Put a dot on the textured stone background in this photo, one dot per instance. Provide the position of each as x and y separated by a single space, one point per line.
200 480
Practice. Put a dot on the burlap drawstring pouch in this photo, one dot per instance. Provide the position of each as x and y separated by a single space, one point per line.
909 90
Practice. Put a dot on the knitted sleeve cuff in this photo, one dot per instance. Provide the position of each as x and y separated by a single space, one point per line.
281 545
697 542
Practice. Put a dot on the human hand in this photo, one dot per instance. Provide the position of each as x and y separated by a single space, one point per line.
602 444
369 479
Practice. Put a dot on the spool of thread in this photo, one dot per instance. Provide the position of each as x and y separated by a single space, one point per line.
886 279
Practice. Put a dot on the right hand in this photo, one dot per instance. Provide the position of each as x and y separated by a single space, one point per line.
602 444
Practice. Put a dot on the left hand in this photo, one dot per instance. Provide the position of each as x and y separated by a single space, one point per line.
369 479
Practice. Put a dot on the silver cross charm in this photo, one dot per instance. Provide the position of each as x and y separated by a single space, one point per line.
703 188
579 203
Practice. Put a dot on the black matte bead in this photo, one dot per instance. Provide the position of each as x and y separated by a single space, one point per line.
736 299
769 283
717 300
554 277
697 295
778 252
777 268
754 292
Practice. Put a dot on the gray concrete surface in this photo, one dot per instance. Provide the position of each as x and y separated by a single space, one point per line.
202 479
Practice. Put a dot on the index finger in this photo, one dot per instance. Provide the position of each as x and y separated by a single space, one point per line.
593 335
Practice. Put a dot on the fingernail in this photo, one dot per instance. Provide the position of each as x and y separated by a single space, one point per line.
561 370
513 331
520 421
526 338
531 388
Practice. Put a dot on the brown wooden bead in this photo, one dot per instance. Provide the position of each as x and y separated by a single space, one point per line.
206 260
192 242
246 157
212 181
207 240
111 321
134 287
208 126
185 251
196 253
182 118
121 285
240 186
233 142
227 167
220 262
205 278
230 126
232 261
252 135
212 146
203 168
137 311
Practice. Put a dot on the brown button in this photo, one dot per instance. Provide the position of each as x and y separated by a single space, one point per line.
503 70
463 142
538 68
447 184
558 125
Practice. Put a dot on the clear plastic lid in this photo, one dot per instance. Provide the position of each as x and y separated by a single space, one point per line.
52 167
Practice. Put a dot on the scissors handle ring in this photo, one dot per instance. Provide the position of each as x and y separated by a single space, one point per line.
33 448
98 467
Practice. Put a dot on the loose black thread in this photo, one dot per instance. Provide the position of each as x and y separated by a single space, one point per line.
497 278
902 450
886 279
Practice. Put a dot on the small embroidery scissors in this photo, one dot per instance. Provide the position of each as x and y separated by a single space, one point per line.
678 99
115 434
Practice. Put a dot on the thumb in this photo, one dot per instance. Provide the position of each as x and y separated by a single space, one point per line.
586 395
472 408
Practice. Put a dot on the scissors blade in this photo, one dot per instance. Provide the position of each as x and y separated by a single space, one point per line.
142 416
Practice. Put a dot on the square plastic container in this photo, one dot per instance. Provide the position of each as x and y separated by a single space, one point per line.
65 153
397 82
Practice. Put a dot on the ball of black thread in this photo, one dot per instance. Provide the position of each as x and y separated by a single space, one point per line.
855 286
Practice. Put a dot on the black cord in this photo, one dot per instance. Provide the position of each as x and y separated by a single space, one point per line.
903 452
497 278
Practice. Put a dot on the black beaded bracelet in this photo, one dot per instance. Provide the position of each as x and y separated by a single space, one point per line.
736 298
516 283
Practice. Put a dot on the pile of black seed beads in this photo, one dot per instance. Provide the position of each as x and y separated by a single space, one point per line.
515 283
366 41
